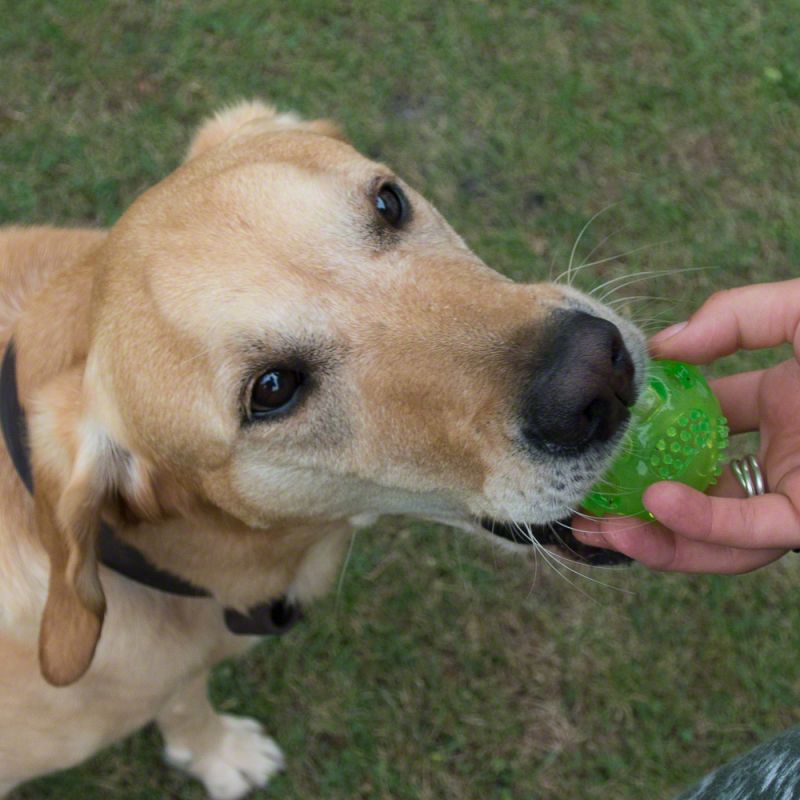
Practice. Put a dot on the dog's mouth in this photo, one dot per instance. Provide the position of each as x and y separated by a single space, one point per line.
557 533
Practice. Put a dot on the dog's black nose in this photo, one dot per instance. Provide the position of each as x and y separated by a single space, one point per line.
582 385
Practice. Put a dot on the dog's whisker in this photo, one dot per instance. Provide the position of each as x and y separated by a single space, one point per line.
619 491
343 570
593 518
535 571
625 280
577 243
655 274
663 313
667 314
653 325
553 562
567 564
625 254
621 281
640 298
644 274
586 262
593 567
640 524
655 318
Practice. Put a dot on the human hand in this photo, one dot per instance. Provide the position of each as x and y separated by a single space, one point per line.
722 532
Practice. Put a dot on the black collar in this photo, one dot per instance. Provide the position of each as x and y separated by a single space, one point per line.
267 619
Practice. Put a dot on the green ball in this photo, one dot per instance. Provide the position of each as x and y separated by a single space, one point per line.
677 433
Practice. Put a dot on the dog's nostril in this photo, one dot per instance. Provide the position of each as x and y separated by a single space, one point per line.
593 415
623 372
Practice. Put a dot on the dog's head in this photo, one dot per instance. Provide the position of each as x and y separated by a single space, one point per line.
284 331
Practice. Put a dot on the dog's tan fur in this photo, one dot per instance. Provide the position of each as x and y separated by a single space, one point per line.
132 347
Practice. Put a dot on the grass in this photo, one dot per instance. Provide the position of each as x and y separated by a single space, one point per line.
443 670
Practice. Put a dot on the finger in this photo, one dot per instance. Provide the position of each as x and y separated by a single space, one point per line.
750 317
690 556
738 396
640 540
658 548
768 521
590 529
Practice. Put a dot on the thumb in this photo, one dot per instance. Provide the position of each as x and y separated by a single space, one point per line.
750 317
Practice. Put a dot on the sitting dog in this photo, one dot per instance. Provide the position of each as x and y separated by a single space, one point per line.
277 343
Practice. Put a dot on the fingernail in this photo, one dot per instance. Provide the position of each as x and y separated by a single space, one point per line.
668 333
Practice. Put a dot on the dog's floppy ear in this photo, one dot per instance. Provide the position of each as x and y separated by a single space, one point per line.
76 469
68 521
257 117
68 503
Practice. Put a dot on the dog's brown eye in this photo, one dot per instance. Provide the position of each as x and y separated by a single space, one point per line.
392 204
274 391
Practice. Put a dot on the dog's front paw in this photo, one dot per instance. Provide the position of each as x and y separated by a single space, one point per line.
230 762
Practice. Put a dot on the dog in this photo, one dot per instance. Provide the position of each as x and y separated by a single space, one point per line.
278 343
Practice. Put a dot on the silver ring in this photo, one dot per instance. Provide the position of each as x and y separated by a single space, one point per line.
749 475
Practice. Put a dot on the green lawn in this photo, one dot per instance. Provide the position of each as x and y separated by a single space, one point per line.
442 669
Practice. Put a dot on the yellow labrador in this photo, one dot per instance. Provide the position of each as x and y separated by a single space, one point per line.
275 344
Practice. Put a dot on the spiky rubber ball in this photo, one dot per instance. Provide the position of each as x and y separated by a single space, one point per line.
677 433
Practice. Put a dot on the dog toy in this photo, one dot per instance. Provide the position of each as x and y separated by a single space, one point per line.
677 433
